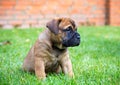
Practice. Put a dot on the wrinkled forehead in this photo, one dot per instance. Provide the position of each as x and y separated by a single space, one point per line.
66 22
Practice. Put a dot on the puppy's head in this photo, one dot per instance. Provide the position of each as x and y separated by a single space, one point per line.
65 30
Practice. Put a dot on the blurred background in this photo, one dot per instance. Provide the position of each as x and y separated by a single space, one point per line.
35 13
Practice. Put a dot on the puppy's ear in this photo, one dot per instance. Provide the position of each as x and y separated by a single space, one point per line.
53 25
73 23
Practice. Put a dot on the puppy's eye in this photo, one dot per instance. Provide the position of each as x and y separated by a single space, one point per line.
68 29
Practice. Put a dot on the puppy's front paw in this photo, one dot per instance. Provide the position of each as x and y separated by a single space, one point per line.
71 74
41 77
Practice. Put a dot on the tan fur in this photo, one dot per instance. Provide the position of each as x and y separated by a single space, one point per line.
43 57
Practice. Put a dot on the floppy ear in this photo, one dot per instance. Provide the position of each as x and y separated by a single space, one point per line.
73 23
53 25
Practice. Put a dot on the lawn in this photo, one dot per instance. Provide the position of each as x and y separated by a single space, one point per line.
95 62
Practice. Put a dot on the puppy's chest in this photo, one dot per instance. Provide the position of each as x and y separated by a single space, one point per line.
53 59
56 53
55 56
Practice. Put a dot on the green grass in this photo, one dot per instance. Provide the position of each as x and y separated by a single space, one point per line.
95 62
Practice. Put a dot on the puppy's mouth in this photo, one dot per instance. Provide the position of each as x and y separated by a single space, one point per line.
71 39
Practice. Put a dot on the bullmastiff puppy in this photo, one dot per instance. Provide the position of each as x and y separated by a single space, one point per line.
50 53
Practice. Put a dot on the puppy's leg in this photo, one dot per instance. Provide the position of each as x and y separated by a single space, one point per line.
39 68
58 70
28 64
67 66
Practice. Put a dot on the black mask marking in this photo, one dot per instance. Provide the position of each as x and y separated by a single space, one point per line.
72 39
